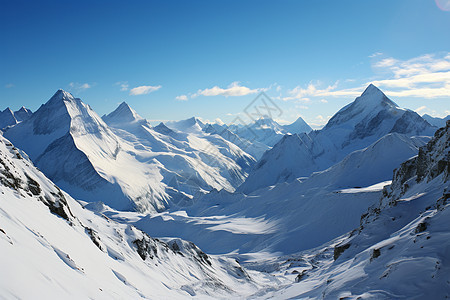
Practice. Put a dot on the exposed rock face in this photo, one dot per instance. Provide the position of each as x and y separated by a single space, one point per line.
433 160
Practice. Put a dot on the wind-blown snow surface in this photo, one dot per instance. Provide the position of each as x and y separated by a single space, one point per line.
52 248
401 249
287 217
357 125
128 165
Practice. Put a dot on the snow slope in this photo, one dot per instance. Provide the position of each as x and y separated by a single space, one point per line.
356 126
51 247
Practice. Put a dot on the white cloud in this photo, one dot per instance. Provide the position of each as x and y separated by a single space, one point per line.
144 89
386 62
426 76
375 54
323 101
233 90
319 121
312 90
9 85
181 98
123 85
79 87
419 109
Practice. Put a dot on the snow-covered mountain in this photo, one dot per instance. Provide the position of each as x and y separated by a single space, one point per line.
435 121
290 217
359 124
400 249
49 242
299 126
254 148
125 163
10 118
190 161
7 118
266 131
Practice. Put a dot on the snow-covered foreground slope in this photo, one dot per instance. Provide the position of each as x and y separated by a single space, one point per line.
127 165
53 248
356 126
290 217
401 250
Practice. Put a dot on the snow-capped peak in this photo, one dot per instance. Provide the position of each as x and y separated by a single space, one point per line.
375 95
122 114
162 128
191 124
298 126
61 95
371 102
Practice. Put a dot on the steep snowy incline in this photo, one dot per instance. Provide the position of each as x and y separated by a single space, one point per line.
402 246
52 247
7 118
356 126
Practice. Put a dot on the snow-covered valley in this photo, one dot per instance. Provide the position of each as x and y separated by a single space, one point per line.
118 208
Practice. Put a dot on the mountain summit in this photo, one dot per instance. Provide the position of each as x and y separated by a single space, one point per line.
364 121
122 114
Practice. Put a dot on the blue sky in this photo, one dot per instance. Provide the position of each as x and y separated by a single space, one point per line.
175 59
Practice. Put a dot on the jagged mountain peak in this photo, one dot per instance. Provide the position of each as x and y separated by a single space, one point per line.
298 126
122 114
374 95
24 109
8 111
22 114
61 95
7 118
371 102
191 124
194 120
162 128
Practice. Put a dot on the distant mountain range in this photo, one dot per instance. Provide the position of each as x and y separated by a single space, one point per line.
355 210
359 124
10 118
